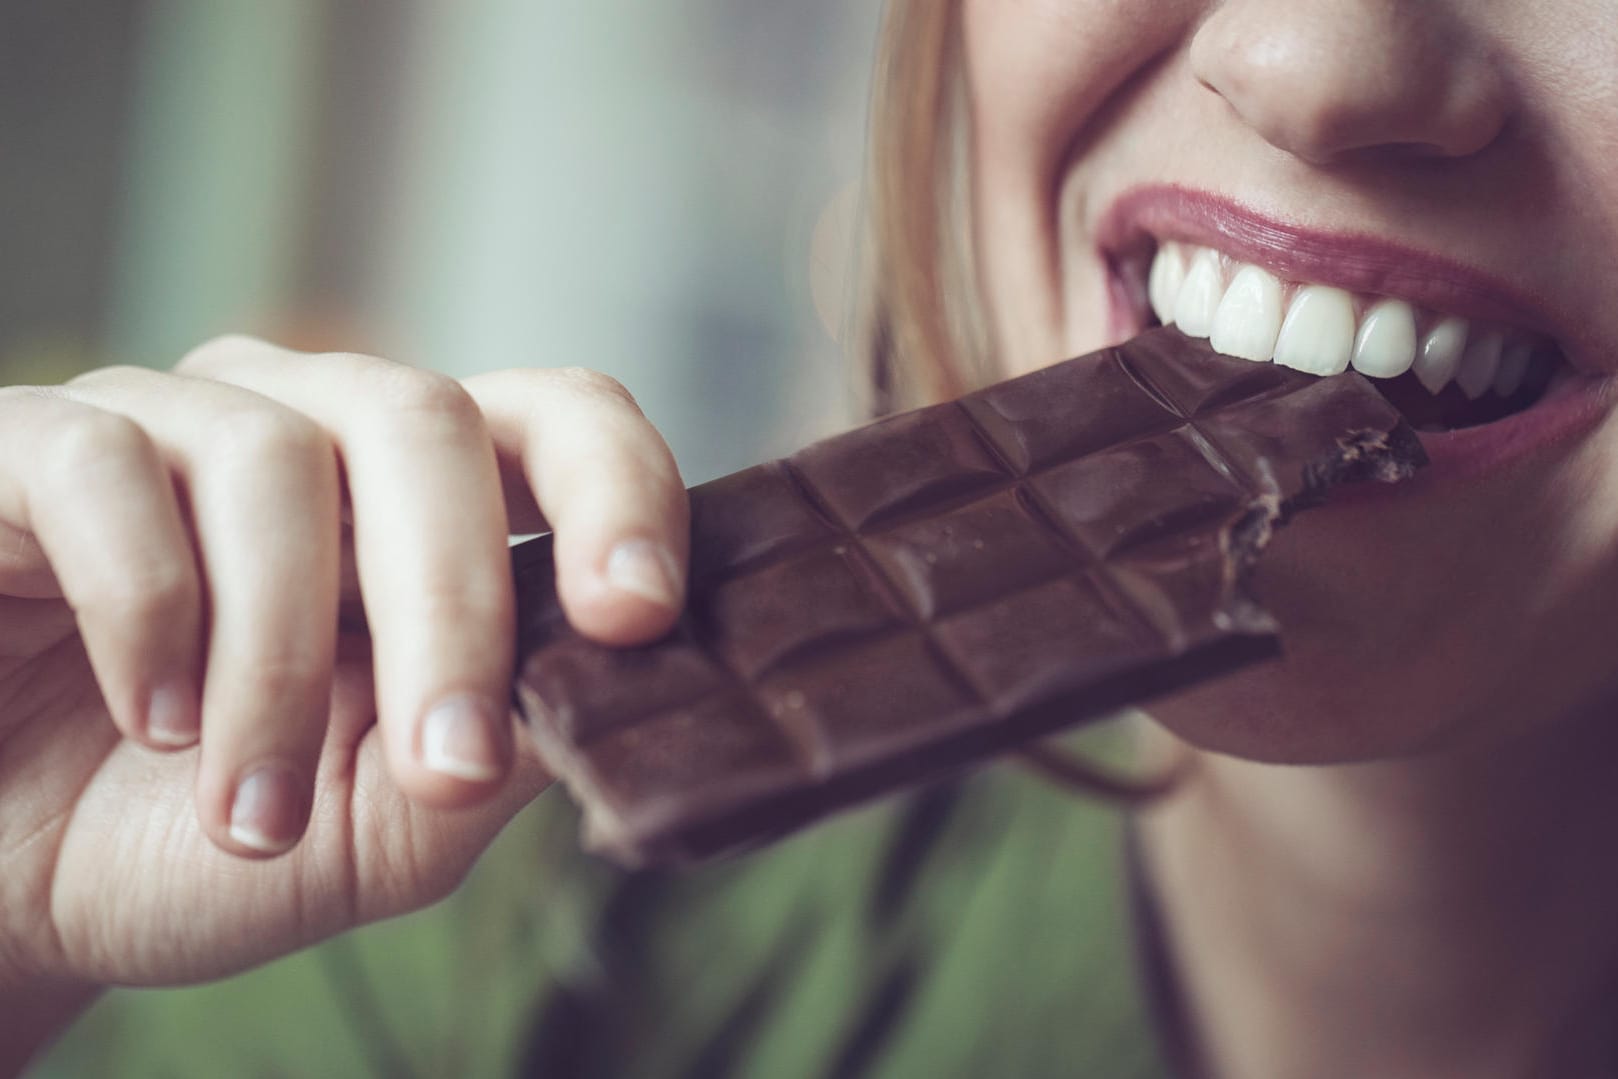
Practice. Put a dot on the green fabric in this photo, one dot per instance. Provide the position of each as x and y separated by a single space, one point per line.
977 930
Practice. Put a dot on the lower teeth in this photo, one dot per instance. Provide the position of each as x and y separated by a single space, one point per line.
1451 410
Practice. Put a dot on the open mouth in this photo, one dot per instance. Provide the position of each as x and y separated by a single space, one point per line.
1443 372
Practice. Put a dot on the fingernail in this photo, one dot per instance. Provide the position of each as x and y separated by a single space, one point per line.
172 716
267 815
645 569
464 737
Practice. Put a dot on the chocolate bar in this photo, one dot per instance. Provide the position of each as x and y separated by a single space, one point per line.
891 605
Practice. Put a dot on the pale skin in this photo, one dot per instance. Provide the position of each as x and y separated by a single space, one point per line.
192 529
1432 896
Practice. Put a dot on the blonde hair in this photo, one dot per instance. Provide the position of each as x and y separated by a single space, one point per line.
924 336
922 332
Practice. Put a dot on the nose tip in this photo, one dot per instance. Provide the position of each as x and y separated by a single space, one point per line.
1322 79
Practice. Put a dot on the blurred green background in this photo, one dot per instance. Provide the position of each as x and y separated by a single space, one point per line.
665 191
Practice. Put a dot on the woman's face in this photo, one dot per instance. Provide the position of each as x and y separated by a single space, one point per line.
1458 156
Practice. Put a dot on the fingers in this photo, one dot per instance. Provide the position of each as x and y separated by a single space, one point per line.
118 549
430 531
610 490
210 504
262 486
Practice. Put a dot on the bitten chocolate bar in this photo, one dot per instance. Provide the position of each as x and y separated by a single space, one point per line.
896 603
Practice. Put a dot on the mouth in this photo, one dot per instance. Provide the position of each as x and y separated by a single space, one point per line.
1472 365
1443 372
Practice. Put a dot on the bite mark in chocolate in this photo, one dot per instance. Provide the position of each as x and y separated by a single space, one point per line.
892 605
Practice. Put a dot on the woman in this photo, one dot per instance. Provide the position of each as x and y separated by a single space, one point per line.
1429 898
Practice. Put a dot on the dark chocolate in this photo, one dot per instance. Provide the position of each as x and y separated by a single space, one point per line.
896 603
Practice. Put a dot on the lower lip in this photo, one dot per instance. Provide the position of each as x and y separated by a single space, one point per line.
1570 408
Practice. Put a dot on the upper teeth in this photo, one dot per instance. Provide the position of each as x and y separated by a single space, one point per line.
1246 311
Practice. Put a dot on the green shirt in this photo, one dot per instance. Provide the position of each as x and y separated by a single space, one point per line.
974 930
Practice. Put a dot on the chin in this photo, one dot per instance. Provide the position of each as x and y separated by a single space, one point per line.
1386 652
1281 713
1402 639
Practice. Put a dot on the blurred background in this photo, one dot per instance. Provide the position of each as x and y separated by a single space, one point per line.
665 191
662 191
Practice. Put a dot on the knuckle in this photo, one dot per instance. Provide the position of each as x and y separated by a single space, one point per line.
277 690
154 596
283 681
217 351
595 384
25 396
412 392
87 439
117 374
473 602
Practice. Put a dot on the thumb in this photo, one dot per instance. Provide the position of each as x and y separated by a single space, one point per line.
407 855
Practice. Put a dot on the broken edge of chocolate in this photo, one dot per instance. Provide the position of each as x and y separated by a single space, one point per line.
894 604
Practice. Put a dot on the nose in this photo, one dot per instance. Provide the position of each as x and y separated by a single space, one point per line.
1325 79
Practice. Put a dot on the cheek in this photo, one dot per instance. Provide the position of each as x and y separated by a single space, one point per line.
1038 69
1039 75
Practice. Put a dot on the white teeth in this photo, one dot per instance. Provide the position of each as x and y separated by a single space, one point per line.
1513 366
1318 334
1479 364
1440 355
1386 345
1249 317
1163 285
1199 297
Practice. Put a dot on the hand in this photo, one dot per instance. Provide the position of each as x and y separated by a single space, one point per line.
198 769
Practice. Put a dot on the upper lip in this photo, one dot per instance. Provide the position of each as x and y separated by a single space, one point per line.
1358 262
